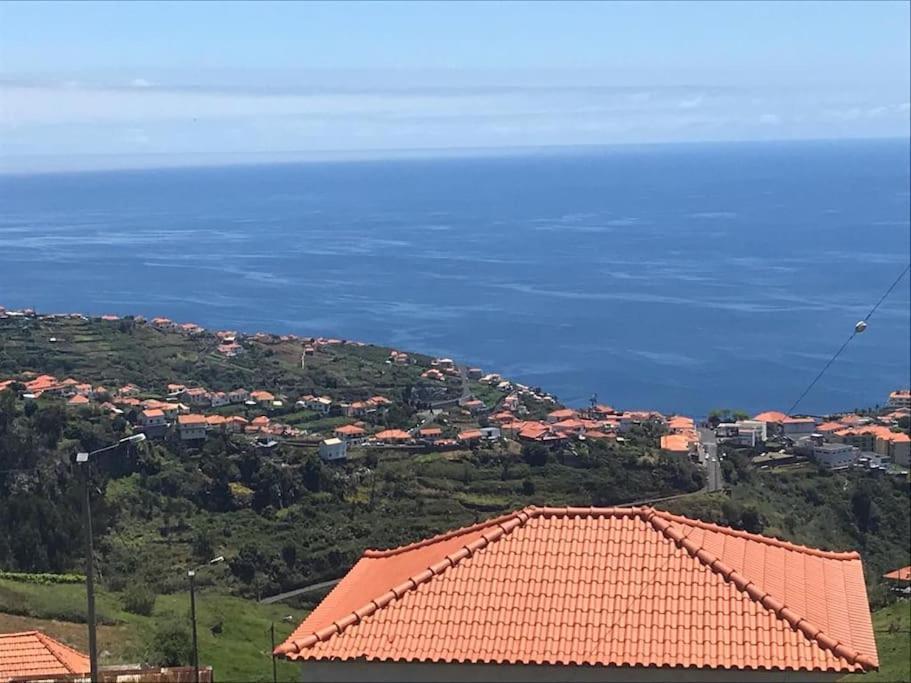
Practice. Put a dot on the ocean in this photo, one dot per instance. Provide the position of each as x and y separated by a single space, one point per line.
674 277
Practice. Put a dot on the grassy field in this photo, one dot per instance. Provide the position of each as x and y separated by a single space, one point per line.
893 641
240 652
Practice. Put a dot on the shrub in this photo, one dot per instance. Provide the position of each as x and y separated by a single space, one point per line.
138 599
170 644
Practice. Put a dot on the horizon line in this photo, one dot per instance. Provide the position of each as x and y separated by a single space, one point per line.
209 160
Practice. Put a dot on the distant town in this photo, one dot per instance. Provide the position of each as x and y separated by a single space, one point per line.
871 440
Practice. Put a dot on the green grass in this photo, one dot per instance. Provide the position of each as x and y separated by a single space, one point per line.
239 653
892 626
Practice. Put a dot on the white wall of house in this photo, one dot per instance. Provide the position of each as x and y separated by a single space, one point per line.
418 672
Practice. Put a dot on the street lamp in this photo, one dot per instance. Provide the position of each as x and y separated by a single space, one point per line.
83 459
191 575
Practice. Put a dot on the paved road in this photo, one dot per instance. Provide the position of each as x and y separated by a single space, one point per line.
300 591
708 456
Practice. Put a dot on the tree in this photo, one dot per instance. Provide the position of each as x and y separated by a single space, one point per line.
171 644
535 454
139 599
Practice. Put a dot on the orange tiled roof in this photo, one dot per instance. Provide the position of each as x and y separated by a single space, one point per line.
191 420
770 416
392 435
903 574
31 653
349 430
598 586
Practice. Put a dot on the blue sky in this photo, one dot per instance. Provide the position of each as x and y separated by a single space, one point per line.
84 84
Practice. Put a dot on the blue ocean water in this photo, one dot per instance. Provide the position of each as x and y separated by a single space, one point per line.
671 277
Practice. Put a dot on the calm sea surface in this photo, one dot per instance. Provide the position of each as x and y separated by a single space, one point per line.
674 277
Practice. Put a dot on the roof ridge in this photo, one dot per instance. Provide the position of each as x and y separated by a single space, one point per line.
768 540
507 525
663 523
52 644
445 536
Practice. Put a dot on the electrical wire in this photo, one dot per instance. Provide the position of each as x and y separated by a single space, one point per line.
847 341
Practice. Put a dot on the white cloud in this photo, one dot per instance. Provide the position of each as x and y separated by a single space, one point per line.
141 83
770 119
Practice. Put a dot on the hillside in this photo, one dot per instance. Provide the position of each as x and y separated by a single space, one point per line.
260 495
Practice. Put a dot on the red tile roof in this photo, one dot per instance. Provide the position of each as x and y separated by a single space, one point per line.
31 653
349 430
770 416
598 586
392 435
903 574
191 420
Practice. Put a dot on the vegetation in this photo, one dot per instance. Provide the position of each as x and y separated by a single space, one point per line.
233 632
284 519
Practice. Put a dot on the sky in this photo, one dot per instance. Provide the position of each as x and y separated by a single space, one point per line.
86 85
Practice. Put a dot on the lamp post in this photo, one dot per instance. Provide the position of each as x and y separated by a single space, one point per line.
191 575
83 459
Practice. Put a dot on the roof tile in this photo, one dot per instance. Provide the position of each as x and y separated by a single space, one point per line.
604 586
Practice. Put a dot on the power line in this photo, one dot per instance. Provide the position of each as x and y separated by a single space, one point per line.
848 340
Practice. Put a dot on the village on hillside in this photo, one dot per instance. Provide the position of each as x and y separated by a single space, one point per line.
509 411
337 411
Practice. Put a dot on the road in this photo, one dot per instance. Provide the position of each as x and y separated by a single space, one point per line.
708 456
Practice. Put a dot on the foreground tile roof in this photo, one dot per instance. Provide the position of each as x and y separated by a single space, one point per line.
598 586
31 653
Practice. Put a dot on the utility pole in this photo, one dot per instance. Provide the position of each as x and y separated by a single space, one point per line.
191 574
274 670
83 459
89 570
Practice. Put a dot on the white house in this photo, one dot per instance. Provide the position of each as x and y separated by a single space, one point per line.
835 455
191 427
798 426
219 398
238 395
333 449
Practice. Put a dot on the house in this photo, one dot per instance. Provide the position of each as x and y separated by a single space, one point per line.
320 404
560 415
238 395
900 399
474 406
899 580
196 396
475 373
591 594
490 433
78 400
235 424
430 433
262 397
191 427
879 439
834 455
434 374
162 323
219 398
176 389
678 444
470 436
350 433
36 656
260 421
128 390
153 420
333 449
798 426
392 436
216 422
